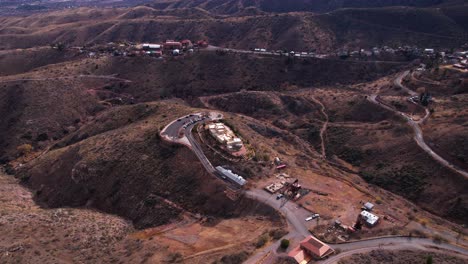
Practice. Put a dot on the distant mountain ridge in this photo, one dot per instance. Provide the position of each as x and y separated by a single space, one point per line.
281 6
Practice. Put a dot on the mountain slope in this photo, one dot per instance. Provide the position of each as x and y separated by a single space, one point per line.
444 28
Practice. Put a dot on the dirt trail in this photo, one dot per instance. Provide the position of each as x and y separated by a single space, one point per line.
109 77
324 127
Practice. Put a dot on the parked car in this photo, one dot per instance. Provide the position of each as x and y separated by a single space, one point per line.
309 218
315 216
279 196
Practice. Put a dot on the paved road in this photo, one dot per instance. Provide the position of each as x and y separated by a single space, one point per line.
295 216
331 57
176 128
418 134
396 243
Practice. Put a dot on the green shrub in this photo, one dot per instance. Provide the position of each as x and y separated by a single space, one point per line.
284 243
262 240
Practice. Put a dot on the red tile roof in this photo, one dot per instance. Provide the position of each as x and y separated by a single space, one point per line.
315 246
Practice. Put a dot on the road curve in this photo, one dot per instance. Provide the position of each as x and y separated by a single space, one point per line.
297 227
418 134
394 243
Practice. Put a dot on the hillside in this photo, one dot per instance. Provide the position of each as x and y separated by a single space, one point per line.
294 31
279 6
372 140
94 170
109 148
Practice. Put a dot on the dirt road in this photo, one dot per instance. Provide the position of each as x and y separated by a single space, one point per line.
418 134
108 77
324 127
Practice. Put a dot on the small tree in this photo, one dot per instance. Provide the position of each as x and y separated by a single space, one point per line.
284 243
429 259
24 149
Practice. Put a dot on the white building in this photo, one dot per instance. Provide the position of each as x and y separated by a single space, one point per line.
232 176
371 219
224 135
369 206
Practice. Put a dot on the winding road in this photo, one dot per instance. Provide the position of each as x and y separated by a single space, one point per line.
394 243
418 133
180 131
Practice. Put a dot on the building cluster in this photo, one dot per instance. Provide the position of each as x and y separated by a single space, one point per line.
366 217
458 59
130 49
169 48
224 135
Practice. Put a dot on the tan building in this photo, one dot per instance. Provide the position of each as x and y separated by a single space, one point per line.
224 135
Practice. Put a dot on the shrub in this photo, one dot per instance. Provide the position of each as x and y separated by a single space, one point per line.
262 240
24 149
378 200
284 243
277 233
175 257
236 258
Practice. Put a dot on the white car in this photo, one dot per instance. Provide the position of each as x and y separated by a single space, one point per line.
309 218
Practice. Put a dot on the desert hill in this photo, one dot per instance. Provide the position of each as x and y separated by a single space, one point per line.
362 134
445 27
279 6
162 179
70 87
83 105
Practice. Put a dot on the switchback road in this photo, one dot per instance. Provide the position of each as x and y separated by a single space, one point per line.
418 134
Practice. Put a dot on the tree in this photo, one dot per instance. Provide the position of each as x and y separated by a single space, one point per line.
284 243
60 46
24 149
429 259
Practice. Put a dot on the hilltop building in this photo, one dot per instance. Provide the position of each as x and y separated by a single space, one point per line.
224 135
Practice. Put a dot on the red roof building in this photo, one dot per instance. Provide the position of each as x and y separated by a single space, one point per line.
310 248
186 44
172 45
202 43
